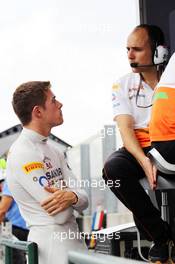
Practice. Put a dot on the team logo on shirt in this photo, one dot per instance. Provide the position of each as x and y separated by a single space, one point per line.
160 95
114 96
29 167
133 92
50 180
47 162
43 181
115 87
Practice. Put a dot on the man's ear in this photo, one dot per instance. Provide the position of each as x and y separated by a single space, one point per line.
36 111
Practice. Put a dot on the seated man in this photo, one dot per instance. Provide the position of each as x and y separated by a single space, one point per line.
132 101
35 167
9 211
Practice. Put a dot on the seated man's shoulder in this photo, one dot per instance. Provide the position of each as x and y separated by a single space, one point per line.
129 77
125 80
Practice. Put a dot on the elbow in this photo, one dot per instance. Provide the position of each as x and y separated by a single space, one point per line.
86 203
82 203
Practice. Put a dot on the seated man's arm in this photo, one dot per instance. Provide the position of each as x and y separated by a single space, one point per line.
126 127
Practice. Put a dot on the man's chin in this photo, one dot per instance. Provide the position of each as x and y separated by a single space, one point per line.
60 122
135 70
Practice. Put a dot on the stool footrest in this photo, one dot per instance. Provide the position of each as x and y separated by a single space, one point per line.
160 163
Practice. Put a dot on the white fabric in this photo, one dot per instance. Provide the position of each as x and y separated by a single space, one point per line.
53 242
26 186
124 99
168 78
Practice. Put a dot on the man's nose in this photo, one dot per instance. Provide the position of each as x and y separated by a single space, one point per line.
131 54
60 105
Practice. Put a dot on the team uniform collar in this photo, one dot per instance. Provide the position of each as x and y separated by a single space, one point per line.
34 135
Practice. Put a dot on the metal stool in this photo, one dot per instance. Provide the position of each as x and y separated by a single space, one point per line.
164 183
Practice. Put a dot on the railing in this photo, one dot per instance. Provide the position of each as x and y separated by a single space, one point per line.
29 247
75 257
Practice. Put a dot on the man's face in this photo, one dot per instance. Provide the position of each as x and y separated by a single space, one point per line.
52 114
139 50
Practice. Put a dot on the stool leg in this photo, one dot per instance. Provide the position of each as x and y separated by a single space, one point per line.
164 207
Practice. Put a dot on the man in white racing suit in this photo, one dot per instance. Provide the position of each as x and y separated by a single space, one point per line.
39 178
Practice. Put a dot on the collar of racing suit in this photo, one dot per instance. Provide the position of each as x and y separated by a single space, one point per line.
34 135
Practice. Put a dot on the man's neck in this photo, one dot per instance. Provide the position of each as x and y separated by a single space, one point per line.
150 77
39 129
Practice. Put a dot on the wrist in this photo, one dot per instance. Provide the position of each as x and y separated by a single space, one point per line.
143 159
75 198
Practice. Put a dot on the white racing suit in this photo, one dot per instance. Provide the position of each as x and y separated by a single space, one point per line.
32 164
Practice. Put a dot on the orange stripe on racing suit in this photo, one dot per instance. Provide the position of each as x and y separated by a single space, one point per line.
162 123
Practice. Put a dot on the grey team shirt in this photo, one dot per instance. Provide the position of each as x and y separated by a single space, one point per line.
32 164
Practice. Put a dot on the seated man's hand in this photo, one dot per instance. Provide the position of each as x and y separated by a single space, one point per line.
151 172
59 200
